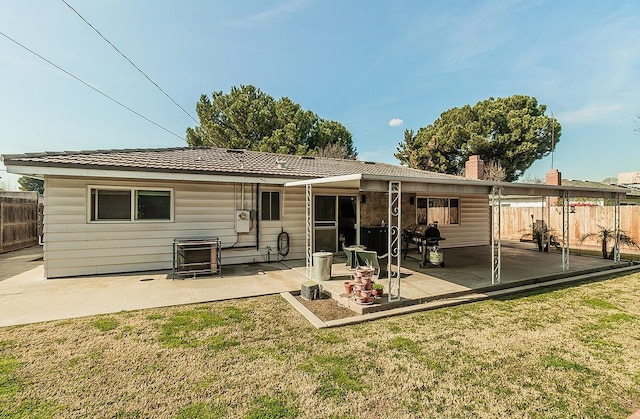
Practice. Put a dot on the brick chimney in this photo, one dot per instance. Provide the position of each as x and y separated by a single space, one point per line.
474 168
554 177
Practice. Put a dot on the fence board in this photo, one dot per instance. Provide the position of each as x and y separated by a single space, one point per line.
517 221
18 220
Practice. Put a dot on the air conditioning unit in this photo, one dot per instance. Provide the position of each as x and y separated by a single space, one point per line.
243 221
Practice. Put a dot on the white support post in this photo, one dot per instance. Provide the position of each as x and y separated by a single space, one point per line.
308 228
496 193
565 231
616 246
547 226
393 238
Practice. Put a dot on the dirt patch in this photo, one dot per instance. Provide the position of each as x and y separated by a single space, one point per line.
326 308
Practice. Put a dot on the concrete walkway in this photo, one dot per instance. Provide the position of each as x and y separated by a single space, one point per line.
29 298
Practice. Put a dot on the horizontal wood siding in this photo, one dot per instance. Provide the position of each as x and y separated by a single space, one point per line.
74 246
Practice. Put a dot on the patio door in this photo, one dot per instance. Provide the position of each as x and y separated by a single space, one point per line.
334 222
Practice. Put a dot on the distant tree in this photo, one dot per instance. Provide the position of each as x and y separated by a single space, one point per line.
333 150
494 171
247 118
31 184
533 179
512 131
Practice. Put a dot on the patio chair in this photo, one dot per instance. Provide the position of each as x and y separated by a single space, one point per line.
371 258
349 252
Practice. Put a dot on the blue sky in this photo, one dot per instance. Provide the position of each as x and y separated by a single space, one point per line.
362 63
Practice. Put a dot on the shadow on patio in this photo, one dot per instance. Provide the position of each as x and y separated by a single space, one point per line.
467 271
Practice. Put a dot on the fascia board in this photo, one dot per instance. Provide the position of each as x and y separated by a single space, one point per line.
40 171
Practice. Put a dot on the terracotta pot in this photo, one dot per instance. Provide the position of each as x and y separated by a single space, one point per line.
348 287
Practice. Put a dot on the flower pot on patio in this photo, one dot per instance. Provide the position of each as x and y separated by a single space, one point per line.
348 287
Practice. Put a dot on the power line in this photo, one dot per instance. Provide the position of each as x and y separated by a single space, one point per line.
89 86
130 62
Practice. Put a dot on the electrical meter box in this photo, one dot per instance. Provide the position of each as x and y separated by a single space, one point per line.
243 221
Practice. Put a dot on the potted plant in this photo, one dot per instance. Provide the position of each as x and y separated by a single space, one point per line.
378 289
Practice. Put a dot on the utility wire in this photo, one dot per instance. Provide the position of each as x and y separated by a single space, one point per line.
90 86
130 62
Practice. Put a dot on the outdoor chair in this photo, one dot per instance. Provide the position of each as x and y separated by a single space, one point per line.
349 252
371 258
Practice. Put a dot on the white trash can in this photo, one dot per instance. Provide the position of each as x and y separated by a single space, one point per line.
322 262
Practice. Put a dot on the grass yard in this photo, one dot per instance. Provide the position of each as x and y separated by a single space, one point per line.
569 352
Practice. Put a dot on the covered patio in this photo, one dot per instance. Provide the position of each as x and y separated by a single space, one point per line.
467 272
487 263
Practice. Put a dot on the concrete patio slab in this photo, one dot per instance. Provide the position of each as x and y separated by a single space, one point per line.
468 270
27 297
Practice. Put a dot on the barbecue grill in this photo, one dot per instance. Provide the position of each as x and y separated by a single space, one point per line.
427 238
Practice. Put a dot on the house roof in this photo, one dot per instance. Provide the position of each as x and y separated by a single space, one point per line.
215 161
229 165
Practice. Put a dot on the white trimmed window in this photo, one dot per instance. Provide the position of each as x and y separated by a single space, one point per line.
446 211
130 204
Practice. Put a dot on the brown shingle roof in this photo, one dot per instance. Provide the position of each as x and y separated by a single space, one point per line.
215 161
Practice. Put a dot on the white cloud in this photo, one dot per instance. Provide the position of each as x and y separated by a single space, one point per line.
597 113
271 16
396 122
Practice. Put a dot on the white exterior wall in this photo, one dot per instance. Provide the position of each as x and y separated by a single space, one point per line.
475 224
74 246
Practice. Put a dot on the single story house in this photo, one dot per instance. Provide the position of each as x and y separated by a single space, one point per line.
113 211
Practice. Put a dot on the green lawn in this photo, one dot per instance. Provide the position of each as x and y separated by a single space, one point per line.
569 352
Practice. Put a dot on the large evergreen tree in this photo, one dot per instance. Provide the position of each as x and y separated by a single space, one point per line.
512 132
247 118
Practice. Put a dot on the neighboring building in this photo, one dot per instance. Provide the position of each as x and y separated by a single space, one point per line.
632 198
629 179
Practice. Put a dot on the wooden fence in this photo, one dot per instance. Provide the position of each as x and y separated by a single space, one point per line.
517 221
19 216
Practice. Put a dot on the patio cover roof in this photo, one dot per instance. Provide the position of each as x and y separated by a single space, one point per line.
377 183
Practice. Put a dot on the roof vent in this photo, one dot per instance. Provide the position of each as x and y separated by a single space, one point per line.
369 162
308 158
234 150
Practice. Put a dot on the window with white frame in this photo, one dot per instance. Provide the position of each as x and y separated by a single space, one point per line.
130 204
446 211
270 205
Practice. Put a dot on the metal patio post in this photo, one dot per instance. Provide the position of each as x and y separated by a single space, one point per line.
565 231
495 235
616 221
308 228
393 239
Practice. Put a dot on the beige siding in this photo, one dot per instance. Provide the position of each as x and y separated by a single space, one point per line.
474 228
74 246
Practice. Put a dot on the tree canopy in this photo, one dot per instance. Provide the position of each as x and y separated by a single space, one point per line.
31 184
512 132
247 118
